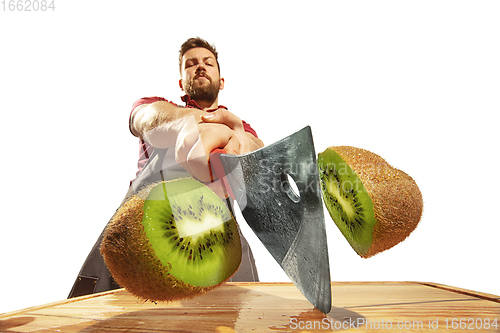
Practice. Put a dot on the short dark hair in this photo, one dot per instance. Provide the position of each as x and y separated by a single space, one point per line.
191 43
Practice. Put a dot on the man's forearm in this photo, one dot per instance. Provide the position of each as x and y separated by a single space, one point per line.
148 117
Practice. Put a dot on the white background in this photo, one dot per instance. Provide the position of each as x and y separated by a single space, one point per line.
416 82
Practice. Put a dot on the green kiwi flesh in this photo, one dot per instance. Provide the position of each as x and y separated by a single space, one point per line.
347 201
192 232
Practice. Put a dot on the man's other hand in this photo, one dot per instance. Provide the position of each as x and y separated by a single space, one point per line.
217 129
240 142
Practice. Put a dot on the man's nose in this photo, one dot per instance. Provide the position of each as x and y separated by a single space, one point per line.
201 67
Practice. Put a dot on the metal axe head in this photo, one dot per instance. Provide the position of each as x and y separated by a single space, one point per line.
277 189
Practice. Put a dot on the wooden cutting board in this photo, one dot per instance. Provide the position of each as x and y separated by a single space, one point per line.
271 307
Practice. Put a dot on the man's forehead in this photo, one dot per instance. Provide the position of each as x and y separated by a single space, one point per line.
197 53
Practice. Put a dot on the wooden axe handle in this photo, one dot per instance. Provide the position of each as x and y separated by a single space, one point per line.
216 164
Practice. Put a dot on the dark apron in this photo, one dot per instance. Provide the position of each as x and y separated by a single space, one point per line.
94 276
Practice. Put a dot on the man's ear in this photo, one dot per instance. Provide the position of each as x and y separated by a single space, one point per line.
180 84
221 83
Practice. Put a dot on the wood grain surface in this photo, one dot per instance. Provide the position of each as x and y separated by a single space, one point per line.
271 307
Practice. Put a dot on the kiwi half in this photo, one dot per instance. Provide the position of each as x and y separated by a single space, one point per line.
374 205
172 240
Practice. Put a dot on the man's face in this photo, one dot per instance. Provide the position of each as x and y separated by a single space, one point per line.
200 77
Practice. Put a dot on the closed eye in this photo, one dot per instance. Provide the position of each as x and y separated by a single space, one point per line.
209 61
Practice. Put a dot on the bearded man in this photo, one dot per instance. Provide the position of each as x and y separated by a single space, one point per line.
175 141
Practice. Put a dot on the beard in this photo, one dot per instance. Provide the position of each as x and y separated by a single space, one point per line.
202 92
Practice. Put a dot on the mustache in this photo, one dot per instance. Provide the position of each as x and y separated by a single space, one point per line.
203 74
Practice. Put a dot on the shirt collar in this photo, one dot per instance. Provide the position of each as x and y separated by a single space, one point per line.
192 103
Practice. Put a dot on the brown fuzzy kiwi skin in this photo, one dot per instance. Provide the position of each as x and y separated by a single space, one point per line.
397 200
132 261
